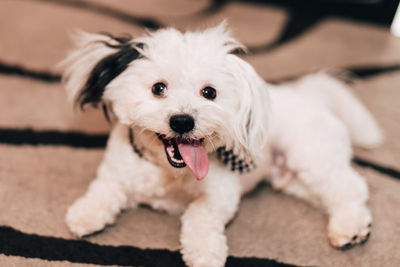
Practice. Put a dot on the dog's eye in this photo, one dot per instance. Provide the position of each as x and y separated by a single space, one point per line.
209 93
159 89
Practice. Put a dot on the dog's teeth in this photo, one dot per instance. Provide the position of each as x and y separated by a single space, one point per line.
171 151
177 160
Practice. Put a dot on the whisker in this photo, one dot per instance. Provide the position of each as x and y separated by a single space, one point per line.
208 138
153 140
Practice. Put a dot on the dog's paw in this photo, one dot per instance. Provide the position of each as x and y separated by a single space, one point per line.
207 250
349 226
83 218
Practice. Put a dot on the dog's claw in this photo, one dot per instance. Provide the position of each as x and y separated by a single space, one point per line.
346 246
347 229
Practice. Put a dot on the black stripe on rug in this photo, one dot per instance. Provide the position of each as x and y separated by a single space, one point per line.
52 138
9 69
296 25
16 243
376 167
91 141
380 12
348 74
365 72
302 16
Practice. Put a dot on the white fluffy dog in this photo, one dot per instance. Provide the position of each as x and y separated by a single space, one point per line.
196 128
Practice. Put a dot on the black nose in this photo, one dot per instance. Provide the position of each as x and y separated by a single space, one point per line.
182 123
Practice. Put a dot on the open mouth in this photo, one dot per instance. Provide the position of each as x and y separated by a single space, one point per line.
172 151
182 152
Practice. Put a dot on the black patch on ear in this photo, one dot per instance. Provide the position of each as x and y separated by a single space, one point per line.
106 70
105 111
122 40
238 51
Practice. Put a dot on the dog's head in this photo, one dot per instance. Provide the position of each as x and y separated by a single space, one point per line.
189 89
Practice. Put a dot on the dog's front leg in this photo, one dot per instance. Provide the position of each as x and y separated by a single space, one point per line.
203 224
97 208
106 195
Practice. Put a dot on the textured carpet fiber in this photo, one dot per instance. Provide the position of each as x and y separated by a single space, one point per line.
48 154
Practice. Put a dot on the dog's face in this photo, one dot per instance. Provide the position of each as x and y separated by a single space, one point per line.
189 90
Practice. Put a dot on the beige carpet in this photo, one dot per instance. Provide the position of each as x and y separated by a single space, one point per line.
48 154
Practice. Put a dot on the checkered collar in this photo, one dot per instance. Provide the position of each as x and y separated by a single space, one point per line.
233 161
134 147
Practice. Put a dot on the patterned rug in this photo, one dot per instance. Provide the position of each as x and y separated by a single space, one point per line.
49 154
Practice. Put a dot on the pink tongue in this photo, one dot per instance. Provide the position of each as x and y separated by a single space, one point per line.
196 158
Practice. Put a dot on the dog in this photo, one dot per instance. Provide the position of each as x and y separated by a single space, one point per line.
195 127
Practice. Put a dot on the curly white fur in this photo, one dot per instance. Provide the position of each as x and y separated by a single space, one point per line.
298 135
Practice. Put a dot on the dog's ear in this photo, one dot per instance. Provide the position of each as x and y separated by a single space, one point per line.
96 61
250 124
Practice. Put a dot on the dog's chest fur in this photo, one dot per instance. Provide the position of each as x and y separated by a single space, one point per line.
154 182
171 189
163 191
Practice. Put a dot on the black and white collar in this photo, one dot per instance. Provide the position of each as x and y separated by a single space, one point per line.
135 148
231 160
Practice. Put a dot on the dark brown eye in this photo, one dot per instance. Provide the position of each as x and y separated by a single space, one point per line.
209 93
159 89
